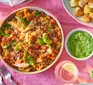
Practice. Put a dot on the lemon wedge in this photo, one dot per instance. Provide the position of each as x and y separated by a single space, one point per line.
70 67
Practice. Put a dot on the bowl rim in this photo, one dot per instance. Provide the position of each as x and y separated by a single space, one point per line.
62 41
67 37
81 22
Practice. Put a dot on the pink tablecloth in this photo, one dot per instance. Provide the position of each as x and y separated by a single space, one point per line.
68 24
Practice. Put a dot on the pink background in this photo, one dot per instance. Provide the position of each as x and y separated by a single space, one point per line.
68 24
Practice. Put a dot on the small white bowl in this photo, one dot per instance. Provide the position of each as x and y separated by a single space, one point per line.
71 12
66 46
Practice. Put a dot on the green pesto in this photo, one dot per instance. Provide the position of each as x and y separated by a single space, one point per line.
80 44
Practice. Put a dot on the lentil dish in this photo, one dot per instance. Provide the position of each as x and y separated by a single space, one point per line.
30 41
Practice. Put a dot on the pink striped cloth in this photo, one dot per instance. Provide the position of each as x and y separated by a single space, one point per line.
68 24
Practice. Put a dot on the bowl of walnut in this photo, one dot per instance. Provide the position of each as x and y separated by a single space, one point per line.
80 10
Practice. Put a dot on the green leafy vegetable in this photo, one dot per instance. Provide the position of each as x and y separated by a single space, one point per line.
25 56
3 34
40 41
28 58
37 13
6 26
32 60
46 39
21 20
9 46
26 20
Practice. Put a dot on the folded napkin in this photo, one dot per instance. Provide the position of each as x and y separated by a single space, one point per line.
13 2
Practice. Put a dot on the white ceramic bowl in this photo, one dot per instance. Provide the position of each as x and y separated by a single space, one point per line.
66 46
71 12
48 13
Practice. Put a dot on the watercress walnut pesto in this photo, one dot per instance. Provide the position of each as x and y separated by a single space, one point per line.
80 44
30 41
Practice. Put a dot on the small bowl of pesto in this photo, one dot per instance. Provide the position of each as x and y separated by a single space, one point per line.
79 44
